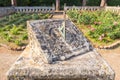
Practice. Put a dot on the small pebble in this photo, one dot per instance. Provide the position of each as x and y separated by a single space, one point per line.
62 58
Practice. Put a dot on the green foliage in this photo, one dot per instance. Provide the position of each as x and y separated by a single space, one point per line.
50 2
25 36
13 27
23 2
102 26
34 16
113 2
93 2
86 18
18 42
14 30
5 2
8 38
73 14
4 34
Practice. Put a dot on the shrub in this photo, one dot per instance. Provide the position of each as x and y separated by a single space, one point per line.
73 14
14 30
100 23
35 16
87 18
18 42
25 36
14 26
8 38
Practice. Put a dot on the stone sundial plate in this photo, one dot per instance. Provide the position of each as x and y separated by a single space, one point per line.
48 43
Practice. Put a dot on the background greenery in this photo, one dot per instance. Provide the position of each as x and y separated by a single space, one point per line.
50 2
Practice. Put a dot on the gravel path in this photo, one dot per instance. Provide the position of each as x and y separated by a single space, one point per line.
113 58
7 58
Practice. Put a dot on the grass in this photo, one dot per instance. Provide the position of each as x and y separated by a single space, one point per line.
13 30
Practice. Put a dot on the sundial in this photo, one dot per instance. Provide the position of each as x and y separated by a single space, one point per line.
58 40
58 51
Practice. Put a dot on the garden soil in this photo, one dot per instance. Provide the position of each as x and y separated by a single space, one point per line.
113 59
7 58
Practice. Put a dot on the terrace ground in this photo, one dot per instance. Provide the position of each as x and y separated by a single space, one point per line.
8 57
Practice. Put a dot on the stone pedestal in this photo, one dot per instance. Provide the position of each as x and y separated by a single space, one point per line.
51 56
89 66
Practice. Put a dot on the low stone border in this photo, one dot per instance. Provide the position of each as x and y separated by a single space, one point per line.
112 46
14 49
51 15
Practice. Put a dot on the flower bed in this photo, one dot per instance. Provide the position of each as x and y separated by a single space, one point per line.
100 27
13 31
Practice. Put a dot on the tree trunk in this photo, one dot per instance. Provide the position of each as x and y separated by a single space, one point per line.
57 5
84 2
103 3
13 3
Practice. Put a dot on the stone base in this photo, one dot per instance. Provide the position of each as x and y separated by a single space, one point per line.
89 66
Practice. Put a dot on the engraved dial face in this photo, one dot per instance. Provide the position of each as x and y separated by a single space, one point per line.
55 45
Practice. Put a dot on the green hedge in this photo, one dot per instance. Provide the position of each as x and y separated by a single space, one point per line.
50 2
5 3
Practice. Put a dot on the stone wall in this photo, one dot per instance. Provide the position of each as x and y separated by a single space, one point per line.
113 9
86 8
40 9
6 11
93 8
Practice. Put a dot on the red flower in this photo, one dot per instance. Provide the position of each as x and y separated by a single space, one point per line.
95 22
93 29
115 23
100 38
103 35
99 23
89 26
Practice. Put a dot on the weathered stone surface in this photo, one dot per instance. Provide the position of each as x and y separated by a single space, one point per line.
47 41
6 11
89 66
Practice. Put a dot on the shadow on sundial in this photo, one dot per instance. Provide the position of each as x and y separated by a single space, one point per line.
56 47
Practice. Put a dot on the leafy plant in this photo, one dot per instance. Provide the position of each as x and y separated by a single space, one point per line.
102 26
14 30
14 27
18 42
25 36
87 18
8 38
